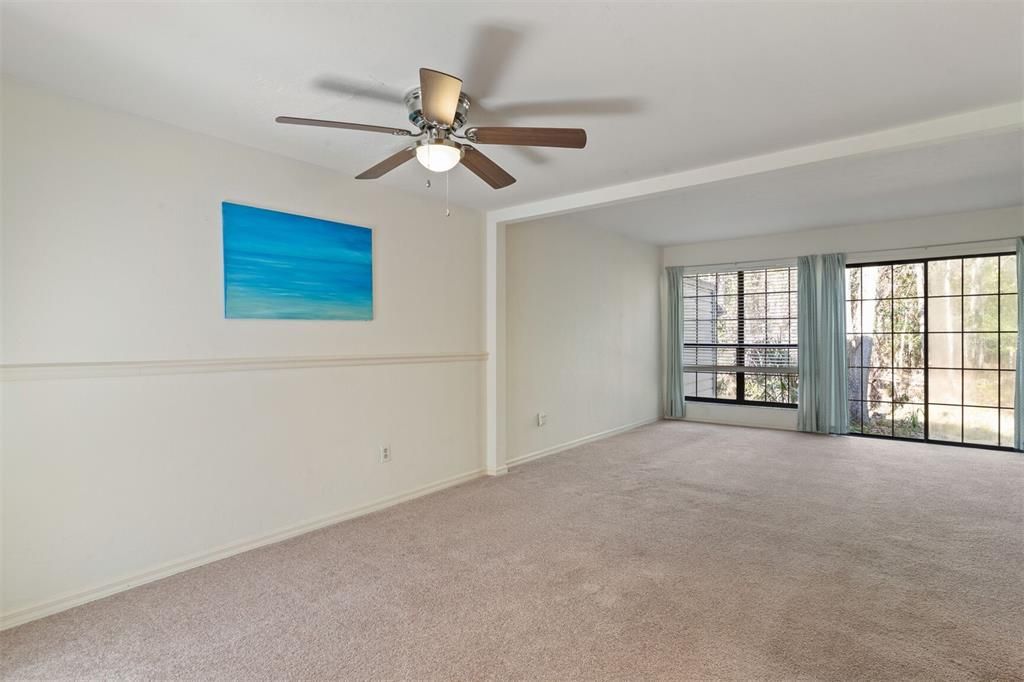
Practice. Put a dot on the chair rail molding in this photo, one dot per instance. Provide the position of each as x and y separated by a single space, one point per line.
88 370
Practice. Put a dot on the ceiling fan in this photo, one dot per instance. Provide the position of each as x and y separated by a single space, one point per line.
438 108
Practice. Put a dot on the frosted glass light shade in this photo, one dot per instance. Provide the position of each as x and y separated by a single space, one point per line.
438 156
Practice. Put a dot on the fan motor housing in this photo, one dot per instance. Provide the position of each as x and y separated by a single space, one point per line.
414 105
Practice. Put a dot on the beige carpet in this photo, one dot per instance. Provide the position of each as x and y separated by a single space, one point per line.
675 551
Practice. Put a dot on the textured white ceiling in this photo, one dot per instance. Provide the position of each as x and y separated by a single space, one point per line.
969 174
660 87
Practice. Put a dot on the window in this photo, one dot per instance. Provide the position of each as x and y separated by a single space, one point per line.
740 337
931 349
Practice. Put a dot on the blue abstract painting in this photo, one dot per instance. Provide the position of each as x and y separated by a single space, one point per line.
284 266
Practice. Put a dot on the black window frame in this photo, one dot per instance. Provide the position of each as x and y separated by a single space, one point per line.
925 333
741 346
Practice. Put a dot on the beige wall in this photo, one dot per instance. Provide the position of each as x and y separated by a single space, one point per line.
112 253
582 339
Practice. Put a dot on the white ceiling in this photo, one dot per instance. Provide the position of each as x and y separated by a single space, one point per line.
660 88
963 175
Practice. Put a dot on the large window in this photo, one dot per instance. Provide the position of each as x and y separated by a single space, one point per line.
740 337
931 348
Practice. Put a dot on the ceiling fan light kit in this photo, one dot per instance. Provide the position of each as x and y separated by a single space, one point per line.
439 156
439 108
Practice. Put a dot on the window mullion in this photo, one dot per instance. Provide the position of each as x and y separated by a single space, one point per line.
741 390
924 359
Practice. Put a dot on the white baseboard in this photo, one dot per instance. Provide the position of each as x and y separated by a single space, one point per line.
537 454
67 601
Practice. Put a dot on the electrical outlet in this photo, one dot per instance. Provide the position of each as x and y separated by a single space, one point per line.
385 454
542 419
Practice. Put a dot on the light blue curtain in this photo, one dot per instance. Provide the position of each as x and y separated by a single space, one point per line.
821 362
1018 392
675 402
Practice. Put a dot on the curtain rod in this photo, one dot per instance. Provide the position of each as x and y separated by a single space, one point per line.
933 246
779 260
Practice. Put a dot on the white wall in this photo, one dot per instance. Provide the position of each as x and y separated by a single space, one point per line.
112 253
880 238
914 238
582 334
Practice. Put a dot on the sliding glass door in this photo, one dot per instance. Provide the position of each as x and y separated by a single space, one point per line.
931 348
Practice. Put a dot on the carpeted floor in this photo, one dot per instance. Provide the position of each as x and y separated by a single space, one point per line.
675 551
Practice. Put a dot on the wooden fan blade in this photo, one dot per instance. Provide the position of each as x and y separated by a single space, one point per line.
573 138
341 124
388 164
439 95
485 169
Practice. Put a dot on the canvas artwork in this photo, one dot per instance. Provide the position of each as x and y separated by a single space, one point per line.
284 266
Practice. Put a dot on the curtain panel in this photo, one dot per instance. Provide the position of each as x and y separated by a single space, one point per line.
821 362
675 402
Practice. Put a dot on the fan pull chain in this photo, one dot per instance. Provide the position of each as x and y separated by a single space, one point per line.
447 211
